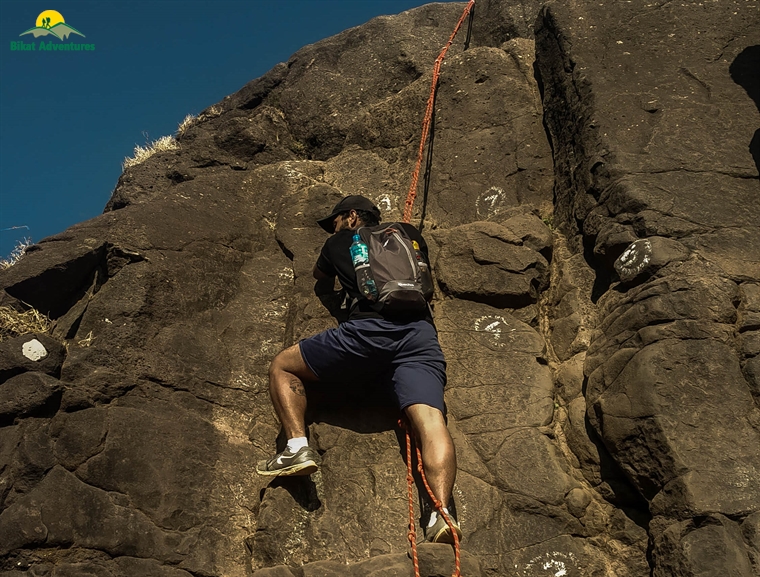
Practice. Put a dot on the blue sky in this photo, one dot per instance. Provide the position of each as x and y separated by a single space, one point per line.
68 119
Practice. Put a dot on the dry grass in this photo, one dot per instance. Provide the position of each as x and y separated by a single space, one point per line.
189 121
14 323
16 254
143 153
86 341
211 112
166 143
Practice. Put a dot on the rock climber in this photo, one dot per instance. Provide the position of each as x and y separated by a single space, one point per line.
404 349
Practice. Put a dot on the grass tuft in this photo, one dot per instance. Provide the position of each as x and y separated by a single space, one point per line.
87 341
189 121
14 323
143 153
211 112
16 254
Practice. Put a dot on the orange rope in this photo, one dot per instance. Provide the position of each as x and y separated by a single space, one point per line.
429 115
412 535
436 503
407 217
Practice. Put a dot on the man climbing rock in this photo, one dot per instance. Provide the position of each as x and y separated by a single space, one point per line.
402 348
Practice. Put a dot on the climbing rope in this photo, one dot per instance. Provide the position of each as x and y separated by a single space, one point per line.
436 503
429 114
409 205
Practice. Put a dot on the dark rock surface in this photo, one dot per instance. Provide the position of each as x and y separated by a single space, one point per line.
606 417
33 352
652 136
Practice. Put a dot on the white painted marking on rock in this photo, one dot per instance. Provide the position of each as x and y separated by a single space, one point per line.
492 324
34 350
640 249
384 203
491 202
554 564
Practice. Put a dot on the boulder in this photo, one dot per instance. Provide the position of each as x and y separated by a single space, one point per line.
28 394
488 263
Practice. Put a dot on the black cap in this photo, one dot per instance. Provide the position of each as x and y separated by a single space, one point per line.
354 202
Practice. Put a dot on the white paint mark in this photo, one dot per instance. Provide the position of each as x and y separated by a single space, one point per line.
550 564
494 325
34 350
635 258
491 202
384 203
556 565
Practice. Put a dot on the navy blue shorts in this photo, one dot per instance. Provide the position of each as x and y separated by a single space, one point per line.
404 355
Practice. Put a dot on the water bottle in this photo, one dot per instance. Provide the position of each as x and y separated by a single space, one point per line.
360 258
426 279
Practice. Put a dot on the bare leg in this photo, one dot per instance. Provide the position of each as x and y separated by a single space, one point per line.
438 454
287 373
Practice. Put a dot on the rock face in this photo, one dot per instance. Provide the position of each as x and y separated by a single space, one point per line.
604 398
652 137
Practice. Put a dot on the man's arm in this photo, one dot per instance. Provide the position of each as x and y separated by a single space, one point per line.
324 268
319 274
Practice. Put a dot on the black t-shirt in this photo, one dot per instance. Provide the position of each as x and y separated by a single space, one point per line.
335 260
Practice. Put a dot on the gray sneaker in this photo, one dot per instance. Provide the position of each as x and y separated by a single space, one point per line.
305 461
440 532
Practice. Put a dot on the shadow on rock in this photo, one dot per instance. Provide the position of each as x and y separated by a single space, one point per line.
302 489
744 71
361 405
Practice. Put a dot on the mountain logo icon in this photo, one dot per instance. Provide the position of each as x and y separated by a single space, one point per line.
51 22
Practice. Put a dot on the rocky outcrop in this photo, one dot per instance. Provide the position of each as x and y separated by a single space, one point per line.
603 401
652 132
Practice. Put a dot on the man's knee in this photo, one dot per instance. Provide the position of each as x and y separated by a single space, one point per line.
279 362
291 361
427 420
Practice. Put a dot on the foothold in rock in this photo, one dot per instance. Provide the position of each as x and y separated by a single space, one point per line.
34 350
634 260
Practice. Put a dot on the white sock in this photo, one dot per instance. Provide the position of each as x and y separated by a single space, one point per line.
434 516
297 443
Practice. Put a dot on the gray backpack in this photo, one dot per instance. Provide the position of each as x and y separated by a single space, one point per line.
401 274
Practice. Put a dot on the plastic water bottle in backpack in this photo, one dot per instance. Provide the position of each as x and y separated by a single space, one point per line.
360 258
